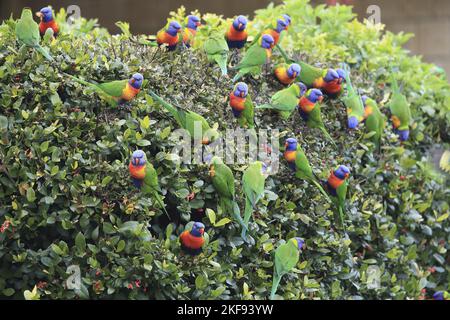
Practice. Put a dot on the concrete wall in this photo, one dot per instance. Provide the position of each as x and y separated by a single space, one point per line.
429 20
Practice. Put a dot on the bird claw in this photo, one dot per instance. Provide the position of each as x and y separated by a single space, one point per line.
125 107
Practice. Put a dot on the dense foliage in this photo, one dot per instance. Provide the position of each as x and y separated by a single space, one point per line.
66 198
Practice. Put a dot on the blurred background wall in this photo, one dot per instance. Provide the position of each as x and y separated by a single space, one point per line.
428 20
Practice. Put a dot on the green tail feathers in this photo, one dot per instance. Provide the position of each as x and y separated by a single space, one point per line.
222 62
237 77
327 135
161 203
321 189
275 283
44 53
164 103
247 215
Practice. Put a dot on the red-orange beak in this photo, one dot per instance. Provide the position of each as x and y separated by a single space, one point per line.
133 80
205 141
136 161
242 94
201 231
39 14
321 99
198 24
239 26
347 175
295 74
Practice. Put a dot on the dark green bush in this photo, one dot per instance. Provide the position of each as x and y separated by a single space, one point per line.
66 193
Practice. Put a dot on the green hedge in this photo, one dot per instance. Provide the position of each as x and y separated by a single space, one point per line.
65 189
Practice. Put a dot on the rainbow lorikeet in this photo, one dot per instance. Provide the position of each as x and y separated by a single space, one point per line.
375 121
236 35
115 92
242 106
314 77
216 49
310 111
190 30
337 187
333 89
223 181
188 120
353 103
27 33
47 21
275 30
286 73
169 36
298 162
253 181
193 238
255 57
145 178
286 100
286 258
400 111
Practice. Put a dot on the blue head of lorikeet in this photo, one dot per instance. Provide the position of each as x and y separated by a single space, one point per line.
364 99
300 242
342 172
240 23
287 19
174 28
303 88
439 295
291 144
352 122
240 90
331 75
198 229
138 158
136 80
45 14
342 75
281 25
294 70
267 41
193 22
403 134
314 95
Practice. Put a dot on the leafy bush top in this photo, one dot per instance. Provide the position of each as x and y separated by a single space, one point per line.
66 194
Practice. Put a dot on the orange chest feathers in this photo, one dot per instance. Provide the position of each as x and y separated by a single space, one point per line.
137 172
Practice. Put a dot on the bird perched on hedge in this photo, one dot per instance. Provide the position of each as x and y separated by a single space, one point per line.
145 178
286 100
337 187
310 111
275 30
298 162
47 21
255 57
192 239
27 33
286 73
253 181
400 111
286 258
216 49
187 120
169 36
223 181
353 103
242 105
311 76
115 92
236 35
333 89
375 121
190 30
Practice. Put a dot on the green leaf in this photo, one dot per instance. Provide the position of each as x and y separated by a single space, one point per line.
80 242
222 222
201 282
120 246
211 216
31 196
44 146
3 123
145 123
